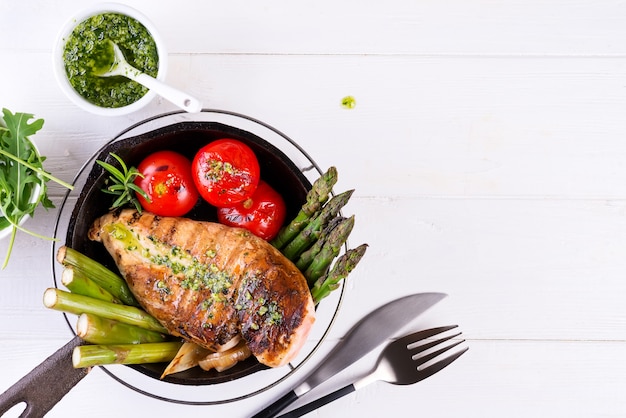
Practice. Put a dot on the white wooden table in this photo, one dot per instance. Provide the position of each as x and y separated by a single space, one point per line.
488 152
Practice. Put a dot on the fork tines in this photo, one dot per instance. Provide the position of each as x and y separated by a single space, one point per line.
428 359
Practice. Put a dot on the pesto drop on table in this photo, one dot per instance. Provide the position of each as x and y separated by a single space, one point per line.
87 49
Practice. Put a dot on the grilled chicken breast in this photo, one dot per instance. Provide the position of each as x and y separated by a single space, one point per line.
210 283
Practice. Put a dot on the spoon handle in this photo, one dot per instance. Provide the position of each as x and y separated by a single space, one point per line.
179 98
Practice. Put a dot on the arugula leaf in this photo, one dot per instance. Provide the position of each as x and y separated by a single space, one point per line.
21 174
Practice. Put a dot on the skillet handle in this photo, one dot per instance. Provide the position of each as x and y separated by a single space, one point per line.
45 385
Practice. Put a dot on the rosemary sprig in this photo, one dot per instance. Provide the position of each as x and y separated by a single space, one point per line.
121 183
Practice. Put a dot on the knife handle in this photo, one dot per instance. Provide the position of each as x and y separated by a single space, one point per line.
312 406
273 410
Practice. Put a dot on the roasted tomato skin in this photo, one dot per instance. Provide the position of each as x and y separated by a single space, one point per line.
226 172
262 214
168 182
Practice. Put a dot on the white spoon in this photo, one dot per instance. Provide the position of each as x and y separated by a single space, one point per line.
121 67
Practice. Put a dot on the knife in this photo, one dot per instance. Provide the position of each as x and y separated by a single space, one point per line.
367 334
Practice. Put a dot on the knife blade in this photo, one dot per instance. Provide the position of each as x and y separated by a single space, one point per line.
367 334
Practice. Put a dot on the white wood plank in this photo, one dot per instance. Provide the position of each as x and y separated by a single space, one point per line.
451 27
502 378
493 379
514 269
490 127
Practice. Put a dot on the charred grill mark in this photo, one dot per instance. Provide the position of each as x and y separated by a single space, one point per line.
182 331
169 233
135 218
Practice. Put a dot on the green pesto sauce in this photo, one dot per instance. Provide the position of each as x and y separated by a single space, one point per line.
123 235
348 102
87 52
267 311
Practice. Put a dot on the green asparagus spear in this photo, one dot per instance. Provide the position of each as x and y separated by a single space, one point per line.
97 330
77 304
315 198
330 250
311 232
340 270
98 355
307 256
78 283
104 277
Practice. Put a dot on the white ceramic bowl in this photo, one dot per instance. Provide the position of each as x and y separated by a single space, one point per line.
59 65
34 196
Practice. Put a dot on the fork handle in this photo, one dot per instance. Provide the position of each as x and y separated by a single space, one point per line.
312 406
274 409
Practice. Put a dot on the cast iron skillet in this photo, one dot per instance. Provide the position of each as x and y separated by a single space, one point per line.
185 138
45 385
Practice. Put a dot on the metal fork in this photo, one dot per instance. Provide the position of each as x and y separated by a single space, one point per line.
402 362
